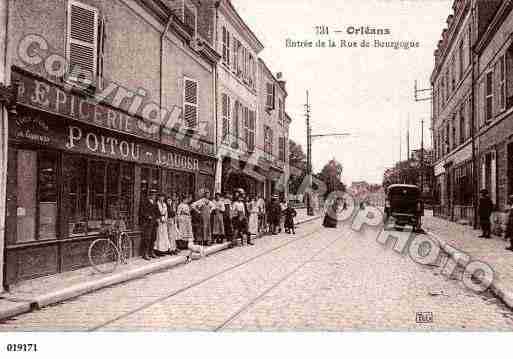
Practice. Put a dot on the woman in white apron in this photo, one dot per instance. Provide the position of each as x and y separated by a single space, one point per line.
162 242
172 229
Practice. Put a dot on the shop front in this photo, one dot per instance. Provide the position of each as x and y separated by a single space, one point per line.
238 174
69 179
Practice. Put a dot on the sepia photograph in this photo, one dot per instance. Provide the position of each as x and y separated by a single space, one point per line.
306 172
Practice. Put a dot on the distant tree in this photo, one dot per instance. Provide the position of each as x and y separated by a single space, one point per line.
297 163
331 175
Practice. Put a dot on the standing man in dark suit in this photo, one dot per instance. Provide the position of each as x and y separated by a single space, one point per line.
148 217
485 211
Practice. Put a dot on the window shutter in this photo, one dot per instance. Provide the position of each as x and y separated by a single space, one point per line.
82 44
190 103
274 97
189 17
101 51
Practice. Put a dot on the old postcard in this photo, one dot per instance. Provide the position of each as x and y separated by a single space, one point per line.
237 166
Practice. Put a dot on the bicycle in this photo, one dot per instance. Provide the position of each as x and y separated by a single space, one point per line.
106 253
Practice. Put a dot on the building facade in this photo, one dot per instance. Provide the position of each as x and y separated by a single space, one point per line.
116 100
455 106
237 105
273 130
494 110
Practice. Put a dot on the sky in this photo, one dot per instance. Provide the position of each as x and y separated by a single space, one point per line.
367 92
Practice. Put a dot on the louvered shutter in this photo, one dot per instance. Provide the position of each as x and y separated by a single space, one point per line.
252 126
189 17
101 51
225 50
190 103
82 44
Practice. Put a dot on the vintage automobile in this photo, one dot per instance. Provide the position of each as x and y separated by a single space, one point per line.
404 206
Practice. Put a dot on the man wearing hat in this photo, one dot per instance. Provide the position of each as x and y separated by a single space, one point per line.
149 215
485 211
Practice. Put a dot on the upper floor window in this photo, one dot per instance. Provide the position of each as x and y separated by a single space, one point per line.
280 111
190 103
84 44
226 46
269 102
189 18
226 104
489 96
502 82
461 59
282 149
249 129
268 140
463 132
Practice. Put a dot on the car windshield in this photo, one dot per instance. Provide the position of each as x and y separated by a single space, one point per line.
405 192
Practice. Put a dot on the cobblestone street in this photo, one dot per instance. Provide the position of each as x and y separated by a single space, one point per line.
319 279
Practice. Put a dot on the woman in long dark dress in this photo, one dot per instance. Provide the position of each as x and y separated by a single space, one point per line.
330 218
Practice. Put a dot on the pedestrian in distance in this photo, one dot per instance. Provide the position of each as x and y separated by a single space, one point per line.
275 214
283 206
509 226
331 215
485 211
289 214
148 218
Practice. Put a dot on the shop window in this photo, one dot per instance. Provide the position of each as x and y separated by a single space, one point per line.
36 211
98 193
179 183
75 187
150 181
48 194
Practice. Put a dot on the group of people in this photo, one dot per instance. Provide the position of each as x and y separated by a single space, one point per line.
236 218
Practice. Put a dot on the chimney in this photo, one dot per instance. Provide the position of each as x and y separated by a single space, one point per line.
279 77
449 20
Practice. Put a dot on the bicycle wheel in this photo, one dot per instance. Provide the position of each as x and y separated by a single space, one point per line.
125 247
103 255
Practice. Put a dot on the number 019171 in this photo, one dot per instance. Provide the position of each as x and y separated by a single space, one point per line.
21 347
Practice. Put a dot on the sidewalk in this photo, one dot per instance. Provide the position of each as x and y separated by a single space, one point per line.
463 238
40 292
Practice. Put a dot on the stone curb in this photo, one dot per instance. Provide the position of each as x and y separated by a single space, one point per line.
77 290
459 257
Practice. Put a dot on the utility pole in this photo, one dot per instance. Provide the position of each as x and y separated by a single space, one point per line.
422 157
309 137
309 209
420 96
